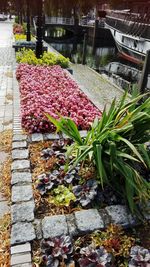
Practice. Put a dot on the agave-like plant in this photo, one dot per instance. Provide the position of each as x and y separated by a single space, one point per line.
115 144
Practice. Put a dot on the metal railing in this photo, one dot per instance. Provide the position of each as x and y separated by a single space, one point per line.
71 21
59 20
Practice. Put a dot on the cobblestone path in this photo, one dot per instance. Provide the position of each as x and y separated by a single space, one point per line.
97 87
6 91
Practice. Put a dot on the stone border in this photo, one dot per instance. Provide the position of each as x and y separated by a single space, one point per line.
22 207
25 228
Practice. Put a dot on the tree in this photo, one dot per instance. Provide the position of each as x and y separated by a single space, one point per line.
67 7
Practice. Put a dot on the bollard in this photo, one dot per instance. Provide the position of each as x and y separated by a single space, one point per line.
84 49
145 72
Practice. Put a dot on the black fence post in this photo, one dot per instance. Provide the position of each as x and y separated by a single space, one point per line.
39 35
84 49
28 33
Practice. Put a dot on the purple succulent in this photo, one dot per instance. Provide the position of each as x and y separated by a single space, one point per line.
56 249
58 145
139 257
91 257
46 182
86 193
72 176
47 153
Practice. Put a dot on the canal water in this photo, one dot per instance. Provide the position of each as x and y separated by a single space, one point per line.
102 57
95 57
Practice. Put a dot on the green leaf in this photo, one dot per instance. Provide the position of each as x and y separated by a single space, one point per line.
132 147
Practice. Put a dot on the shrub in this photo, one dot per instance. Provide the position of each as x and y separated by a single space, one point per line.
48 58
115 144
20 37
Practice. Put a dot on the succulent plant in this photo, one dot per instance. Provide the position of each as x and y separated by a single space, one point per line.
91 257
55 250
86 193
139 257
46 182
72 176
47 153
62 196
58 145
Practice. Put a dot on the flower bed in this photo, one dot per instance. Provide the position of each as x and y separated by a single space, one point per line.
50 90
110 248
68 181
59 192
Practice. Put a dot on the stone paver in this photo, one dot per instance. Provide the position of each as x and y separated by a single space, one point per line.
19 144
21 193
54 226
21 248
21 178
120 215
20 165
88 220
22 212
22 232
20 259
20 154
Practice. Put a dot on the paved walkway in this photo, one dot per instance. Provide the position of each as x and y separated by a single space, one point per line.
6 89
96 86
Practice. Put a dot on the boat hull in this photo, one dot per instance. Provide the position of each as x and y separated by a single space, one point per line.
131 48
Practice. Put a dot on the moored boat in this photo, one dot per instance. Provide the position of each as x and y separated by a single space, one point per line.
131 30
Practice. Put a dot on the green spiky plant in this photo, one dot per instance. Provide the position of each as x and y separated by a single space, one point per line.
115 144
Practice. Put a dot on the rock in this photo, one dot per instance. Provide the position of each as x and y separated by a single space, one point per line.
20 154
21 248
119 214
36 137
54 226
23 258
23 212
21 193
88 220
22 232
51 136
19 137
20 165
21 177
71 225
38 228
20 144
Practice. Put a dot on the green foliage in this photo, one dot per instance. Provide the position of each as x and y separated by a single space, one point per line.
16 19
28 56
115 144
62 196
